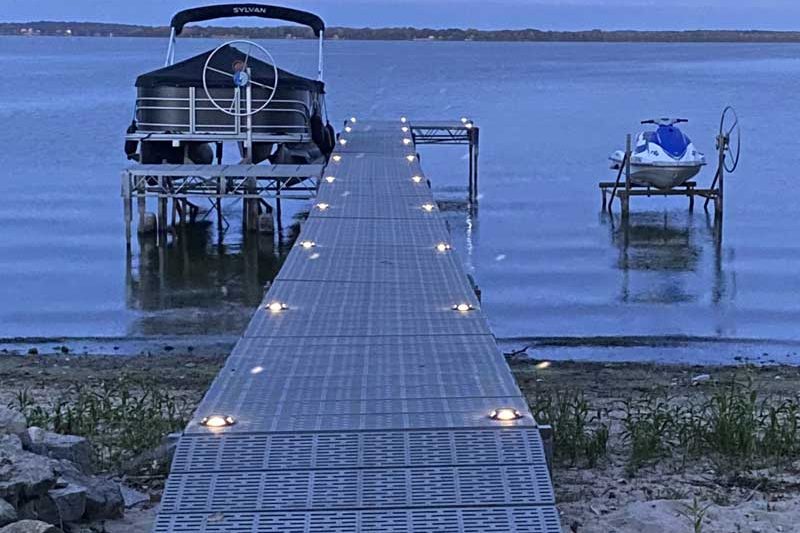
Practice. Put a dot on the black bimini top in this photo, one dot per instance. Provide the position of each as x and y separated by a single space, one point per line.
199 14
189 73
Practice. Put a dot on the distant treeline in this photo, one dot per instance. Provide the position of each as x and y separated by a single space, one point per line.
96 29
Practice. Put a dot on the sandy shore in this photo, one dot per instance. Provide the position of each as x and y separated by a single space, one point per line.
661 497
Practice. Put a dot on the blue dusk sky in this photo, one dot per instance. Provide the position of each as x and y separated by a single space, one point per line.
482 14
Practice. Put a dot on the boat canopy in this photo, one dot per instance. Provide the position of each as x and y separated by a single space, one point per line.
189 73
199 14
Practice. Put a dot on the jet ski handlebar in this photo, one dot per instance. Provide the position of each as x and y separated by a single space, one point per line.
665 121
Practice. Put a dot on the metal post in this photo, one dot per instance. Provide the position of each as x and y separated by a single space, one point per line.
170 48
141 201
320 65
722 141
627 199
220 192
278 211
127 207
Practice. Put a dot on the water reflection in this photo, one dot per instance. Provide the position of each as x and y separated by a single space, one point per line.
193 284
665 257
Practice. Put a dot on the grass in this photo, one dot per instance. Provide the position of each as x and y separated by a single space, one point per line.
580 433
732 424
122 418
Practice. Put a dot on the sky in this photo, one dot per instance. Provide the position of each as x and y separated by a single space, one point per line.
481 14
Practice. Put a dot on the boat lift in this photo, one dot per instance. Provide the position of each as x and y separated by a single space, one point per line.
728 144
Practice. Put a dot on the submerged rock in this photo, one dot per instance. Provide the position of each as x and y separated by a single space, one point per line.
69 447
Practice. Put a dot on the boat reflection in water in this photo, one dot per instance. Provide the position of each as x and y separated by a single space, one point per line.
665 257
192 284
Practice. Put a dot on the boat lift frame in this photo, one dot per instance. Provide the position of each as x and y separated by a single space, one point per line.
624 190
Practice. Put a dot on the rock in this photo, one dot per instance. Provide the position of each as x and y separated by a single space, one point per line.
12 422
700 378
133 497
30 526
24 475
7 513
103 496
69 447
70 501
10 443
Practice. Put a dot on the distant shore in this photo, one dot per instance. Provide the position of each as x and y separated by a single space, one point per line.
101 29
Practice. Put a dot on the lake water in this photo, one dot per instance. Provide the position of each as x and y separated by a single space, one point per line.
549 263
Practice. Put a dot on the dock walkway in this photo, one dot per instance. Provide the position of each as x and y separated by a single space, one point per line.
362 404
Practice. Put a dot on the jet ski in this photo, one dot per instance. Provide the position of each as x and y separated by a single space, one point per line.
664 158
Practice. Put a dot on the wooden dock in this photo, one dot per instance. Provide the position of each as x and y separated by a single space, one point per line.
360 396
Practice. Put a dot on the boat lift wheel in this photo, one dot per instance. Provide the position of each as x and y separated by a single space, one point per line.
730 134
240 79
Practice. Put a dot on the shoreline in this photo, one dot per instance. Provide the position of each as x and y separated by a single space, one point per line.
659 495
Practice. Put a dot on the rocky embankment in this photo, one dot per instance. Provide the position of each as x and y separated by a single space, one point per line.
48 483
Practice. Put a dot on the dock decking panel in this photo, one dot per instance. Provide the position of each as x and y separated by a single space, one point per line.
363 406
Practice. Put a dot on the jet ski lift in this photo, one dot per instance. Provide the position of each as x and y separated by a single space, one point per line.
637 179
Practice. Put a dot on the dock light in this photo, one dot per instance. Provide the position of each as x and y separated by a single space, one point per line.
505 414
403 120
330 179
404 129
469 125
348 129
464 120
410 158
463 308
542 365
322 206
406 141
256 370
342 141
217 421
277 307
353 120
308 244
443 247
416 179
428 207
337 158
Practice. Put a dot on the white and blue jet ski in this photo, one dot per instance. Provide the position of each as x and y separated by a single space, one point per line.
664 158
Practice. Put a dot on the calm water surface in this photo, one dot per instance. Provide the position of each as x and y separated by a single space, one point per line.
550 264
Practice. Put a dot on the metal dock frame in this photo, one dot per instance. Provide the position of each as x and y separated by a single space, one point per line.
448 132
252 184
359 396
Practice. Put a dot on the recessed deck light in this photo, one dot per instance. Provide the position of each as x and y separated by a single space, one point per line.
256 370
505 414
308 244
410 158
416 179
542 365
404 129
348 129
464 120
468 125
406 141
217 421
337 158
353 120
322 206
463 308
443 247
403 120
330 179
428 207
342 141
277 307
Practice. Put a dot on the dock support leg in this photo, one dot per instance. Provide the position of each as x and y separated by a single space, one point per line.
162 220
127 206
218 205
141 205
474 143
625 199
250 206
278 211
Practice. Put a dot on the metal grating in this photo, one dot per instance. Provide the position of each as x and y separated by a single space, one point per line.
363 406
